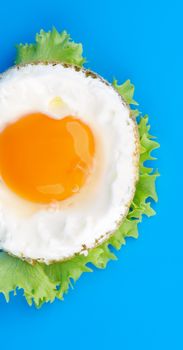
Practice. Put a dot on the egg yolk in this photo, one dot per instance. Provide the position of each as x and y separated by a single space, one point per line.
43 159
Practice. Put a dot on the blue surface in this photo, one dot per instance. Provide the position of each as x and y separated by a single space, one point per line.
136 303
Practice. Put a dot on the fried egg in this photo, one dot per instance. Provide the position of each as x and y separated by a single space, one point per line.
68 161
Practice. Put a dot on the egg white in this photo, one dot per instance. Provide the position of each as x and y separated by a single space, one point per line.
57 232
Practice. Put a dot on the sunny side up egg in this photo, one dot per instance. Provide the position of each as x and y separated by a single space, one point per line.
68 161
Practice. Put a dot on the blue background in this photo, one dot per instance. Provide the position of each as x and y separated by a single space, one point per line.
137 302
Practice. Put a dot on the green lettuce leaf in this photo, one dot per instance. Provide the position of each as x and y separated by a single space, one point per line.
126 90
51 46
43 283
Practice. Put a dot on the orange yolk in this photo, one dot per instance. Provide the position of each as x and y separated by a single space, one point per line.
45 160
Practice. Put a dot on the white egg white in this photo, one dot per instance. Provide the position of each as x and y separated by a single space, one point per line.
57 232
